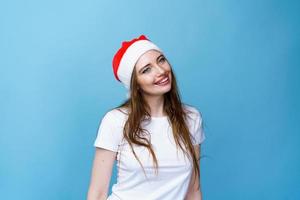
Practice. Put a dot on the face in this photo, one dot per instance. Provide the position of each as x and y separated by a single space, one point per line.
153 73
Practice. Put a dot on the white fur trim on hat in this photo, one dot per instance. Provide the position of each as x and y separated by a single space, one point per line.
130 58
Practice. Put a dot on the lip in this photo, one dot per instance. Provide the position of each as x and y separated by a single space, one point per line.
163 78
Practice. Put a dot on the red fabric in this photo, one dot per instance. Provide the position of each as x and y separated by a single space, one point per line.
118 56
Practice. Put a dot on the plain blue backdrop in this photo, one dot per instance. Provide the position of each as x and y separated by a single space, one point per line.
236 61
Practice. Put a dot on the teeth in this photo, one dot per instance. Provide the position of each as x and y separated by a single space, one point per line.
162 81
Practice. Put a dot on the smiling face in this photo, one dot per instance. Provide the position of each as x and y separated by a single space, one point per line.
153 73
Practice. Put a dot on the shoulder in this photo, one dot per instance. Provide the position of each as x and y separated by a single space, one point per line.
194 122
191 111
116 115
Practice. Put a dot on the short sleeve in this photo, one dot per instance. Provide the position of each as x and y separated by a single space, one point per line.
196 126
109 133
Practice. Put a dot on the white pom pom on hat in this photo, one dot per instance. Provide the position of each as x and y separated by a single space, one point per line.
126 57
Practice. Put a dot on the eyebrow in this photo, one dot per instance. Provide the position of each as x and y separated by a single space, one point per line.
161 55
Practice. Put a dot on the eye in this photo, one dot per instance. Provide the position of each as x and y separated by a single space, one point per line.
147 69
162 60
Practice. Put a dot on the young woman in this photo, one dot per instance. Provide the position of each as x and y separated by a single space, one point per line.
154 136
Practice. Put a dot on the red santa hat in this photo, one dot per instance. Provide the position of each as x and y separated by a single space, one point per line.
126 57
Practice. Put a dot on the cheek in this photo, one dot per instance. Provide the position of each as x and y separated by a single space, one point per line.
142 80
146 82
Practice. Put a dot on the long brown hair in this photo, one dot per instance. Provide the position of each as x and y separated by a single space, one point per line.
138 111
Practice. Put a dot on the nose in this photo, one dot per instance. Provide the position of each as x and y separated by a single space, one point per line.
159 69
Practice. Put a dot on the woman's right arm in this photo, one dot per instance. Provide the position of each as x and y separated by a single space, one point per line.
101 174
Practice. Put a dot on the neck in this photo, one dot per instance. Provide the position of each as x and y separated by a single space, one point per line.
156 104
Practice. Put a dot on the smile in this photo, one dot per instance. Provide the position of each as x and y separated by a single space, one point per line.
164 81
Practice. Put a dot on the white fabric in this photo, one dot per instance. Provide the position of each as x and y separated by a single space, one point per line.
130 57
175 170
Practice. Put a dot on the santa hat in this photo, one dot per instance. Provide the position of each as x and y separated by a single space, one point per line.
126 57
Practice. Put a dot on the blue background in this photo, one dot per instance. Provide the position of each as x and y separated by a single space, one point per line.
237 61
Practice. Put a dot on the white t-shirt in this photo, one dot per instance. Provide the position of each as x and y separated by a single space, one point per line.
174 171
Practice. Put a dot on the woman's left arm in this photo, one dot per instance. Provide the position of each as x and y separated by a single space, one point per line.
194 193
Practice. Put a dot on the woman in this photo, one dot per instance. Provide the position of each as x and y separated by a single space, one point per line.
154 137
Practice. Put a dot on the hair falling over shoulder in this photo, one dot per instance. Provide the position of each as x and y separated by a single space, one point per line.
138 111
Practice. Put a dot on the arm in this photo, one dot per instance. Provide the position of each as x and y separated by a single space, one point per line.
101 174
194 193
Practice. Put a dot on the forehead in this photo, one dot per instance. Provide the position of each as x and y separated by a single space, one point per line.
146 58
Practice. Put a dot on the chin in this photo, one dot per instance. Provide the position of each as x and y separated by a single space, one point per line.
167 90
160 92
155 91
